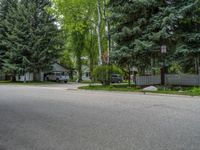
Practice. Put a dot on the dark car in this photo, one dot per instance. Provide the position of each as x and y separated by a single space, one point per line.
116 78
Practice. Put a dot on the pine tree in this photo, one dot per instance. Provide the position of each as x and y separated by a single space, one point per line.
188 35
5 5
130 19
176 26
140 28
32 37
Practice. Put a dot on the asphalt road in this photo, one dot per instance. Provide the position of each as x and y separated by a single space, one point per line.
48 118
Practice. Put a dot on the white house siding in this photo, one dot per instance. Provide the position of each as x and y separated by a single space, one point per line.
27 77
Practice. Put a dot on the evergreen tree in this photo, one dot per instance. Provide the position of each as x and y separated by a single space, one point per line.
32 37
129 22
140 28
5 5
176 26
188 36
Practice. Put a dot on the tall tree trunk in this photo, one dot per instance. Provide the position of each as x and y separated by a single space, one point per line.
71 74
79 66
153 64
13 77
91 69
129 76
107 28
91 55
99 31
36 75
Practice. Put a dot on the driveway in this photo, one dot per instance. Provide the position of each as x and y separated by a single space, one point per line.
57 118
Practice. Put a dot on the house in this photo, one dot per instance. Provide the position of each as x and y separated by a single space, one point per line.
27 77
86 75
56 67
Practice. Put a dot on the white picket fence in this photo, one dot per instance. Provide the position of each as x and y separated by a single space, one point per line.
170 79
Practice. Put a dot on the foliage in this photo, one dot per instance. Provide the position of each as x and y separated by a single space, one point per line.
33 33
102 73
76 17
66 60
79 19
4 8
31 37
124 88
129 21
195 91
140 28
188 35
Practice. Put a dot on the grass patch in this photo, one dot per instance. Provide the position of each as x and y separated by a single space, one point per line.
27 83
124 88
1 82
190 91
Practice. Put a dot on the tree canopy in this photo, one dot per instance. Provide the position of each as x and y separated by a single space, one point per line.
31 40
35 33
140 28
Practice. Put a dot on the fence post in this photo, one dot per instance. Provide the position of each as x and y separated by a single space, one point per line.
198 79
163 72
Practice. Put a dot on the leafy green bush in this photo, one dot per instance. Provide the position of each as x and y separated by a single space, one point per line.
195 90
102 73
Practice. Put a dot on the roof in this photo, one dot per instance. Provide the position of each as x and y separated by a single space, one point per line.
58 68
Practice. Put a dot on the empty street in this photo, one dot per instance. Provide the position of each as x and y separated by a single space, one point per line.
63 118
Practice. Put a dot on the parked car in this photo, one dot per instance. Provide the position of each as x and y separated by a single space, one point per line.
116 78
57 76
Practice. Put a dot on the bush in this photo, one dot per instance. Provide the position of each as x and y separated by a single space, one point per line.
102 73
195 91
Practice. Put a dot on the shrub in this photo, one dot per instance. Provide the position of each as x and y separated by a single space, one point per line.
102 73
195 90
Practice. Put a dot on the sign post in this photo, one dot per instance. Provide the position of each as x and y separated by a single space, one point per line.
163 69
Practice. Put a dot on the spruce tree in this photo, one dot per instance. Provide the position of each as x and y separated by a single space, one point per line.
32 37
5 5
176 25
140 28
188 36
130 19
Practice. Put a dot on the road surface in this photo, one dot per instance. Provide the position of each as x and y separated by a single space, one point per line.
62 118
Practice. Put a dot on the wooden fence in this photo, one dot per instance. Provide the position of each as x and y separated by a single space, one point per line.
170 79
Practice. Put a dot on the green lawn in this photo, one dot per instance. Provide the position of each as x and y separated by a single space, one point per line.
27 83
191 91
124 88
